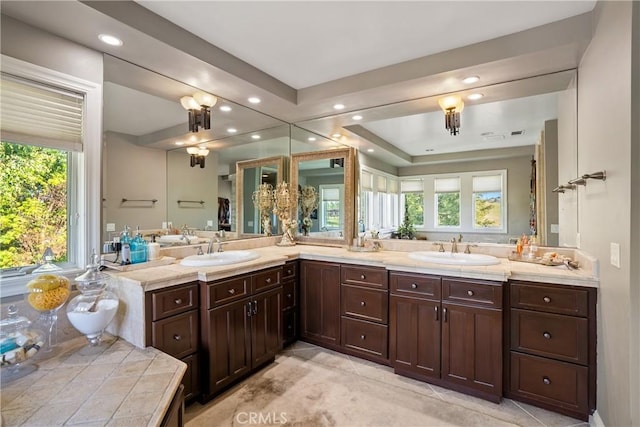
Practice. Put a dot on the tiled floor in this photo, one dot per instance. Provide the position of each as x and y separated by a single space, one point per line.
312 386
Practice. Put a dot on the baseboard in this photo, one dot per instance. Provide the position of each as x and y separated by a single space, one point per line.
595 420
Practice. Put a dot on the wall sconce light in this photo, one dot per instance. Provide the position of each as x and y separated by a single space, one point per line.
452 107
197 156
199 108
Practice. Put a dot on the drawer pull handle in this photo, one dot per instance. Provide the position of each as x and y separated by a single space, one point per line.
546 380
414 286
362 277
268 280
177 337
444 315
362 303
232 291
436 310
547 335
178 300
362 336
470 293
546 299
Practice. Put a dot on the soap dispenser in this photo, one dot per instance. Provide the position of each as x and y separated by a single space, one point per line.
138 248
125 242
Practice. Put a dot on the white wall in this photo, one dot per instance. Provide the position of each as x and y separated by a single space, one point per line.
605 215
133 172
568 161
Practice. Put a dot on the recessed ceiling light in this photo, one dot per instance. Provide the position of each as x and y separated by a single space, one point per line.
475 96
232 130
110 40
225 108
470 79
311 139
336 135
338 107
357 117
370 150
254 100
255 136
179 143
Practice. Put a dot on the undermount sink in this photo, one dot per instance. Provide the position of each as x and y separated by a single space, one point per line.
454 258
178 238
219 258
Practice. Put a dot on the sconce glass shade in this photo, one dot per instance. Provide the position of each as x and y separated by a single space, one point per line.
205 99
193 150
451 102
188 103
203 152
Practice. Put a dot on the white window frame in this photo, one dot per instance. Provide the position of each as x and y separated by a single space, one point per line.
466 202
381 213
84 172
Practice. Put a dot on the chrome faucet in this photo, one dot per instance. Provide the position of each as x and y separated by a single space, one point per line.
211 242
454 245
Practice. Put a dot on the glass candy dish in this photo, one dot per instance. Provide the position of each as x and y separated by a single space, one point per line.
92 310
19 344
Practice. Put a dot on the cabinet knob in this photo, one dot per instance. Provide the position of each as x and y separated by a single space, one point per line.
546 299
232 291
178 300
547 335
289 296
268 280
289 272
470 293
362 303
177 337
289 327
414 286
362 276
546 381
362 336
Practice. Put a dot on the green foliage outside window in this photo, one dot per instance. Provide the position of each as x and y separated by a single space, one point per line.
33 204
414 207
448 205
488 209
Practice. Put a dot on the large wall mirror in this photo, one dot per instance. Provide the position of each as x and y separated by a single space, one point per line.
503 130
148 180
329 176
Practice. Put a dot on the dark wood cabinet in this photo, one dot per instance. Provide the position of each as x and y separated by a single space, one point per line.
290 304
173 326
240 333
320 302
447 331
551 349
174 417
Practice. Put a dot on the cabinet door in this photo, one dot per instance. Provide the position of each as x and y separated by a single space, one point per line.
228 343
472 348
266 324
320 301
414 336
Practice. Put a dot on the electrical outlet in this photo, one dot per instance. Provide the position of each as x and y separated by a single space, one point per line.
249 223
209 223
164 225
555 228
111 226
615 255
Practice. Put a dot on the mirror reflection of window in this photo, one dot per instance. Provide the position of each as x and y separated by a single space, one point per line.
331 207
447 202
412 198
487 201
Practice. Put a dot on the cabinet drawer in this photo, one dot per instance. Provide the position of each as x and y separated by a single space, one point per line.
177 335
266 280
227 291
365 303
290 270
472 292
550 335
552 299
548 381
173 301
364 276
367 337
416 285
289 296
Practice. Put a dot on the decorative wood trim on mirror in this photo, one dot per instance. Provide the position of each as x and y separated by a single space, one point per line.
349 155
281 164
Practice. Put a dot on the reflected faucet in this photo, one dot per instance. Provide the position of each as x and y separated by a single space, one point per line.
211 242
454 245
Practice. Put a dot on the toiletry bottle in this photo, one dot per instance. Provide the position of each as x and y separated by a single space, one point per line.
125 242
138 248
153 249
533 247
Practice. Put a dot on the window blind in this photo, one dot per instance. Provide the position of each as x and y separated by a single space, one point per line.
330 194
487 183
446 185
38 114
381 184
411 186
366 179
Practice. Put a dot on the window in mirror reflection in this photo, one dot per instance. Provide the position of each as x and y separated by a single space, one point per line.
379 198
487 201
447 202
413 200
331 210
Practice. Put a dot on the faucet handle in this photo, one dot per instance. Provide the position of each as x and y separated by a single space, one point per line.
469 245
440 246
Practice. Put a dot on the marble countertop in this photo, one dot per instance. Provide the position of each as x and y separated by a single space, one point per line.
270 256
113 384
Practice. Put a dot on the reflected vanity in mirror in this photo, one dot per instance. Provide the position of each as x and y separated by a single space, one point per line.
250 175
331 174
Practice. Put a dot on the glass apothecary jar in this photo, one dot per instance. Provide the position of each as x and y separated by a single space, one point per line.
96 306
19 344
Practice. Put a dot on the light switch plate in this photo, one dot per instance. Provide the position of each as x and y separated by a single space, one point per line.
615 255
249 223
209 223
164 225
111 226
578 240
555 228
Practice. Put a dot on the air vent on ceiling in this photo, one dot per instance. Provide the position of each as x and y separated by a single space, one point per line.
517 132
493 137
